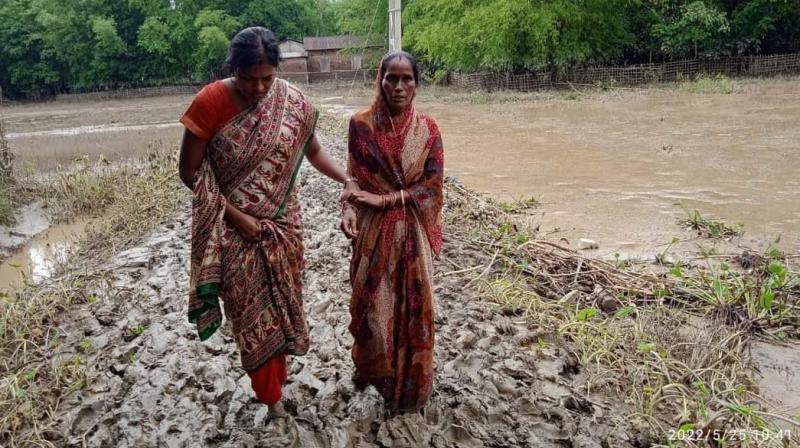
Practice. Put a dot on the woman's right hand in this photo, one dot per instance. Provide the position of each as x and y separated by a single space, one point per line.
247 226
349 222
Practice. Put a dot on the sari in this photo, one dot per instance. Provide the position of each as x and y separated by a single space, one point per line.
391 271
252 161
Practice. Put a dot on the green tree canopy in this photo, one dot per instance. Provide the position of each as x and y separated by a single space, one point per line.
63 45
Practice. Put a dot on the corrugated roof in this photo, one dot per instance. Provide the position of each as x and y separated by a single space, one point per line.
335 42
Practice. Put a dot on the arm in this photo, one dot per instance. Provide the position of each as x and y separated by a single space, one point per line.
193 151
325 164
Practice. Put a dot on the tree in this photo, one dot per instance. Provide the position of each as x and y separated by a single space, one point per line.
107 46
24 69
363 17
512 34
771 25
700 28
214 30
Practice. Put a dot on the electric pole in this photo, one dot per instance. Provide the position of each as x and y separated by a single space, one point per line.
395 28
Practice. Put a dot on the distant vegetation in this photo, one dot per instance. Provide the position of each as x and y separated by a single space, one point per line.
49 46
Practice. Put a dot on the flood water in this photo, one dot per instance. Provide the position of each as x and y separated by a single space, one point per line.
40 255
618 167
621 170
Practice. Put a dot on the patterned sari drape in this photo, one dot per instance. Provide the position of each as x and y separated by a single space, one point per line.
252 162
391 271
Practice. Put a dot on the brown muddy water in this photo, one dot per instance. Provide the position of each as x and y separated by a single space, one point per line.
616 167
46 135
34 249
621 168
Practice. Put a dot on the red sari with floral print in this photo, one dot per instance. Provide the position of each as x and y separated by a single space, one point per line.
392 271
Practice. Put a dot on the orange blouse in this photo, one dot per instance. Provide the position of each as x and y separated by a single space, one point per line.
210 110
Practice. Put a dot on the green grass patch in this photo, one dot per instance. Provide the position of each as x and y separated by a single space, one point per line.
709 228
706 84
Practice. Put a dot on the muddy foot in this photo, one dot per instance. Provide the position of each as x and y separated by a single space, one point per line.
277 411
359 381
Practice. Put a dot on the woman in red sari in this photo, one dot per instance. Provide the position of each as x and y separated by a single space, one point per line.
396 156
245 139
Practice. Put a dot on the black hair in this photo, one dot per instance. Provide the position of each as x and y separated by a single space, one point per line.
400 54
251 46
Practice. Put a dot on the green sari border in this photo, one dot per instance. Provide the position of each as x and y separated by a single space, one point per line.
208 331
209 295
282 208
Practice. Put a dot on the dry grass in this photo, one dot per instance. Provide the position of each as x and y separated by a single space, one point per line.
671 344
7 181
39 364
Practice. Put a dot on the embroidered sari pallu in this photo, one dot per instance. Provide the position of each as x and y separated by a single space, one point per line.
252 162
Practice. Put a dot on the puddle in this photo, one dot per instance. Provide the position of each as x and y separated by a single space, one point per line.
38 259
780 378
31 220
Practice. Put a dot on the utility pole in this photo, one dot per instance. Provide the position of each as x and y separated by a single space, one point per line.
395 28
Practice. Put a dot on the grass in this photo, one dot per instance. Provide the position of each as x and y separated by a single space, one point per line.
672 346
40 362
709 228
88 188
8 209
7 181
518 205
706 84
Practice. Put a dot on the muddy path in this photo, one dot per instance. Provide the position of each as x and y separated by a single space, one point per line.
501 380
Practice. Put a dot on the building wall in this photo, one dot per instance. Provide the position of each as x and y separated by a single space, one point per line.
290 46
295 65
335 60
294 69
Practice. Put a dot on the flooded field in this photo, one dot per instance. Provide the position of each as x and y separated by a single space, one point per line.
608 166
48 134
616 167
613 168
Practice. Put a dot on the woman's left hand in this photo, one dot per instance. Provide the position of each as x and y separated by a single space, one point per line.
350 188
368 199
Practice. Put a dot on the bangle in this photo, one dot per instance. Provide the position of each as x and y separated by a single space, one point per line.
350 179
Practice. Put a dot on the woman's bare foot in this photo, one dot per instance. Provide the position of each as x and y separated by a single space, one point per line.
277 410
